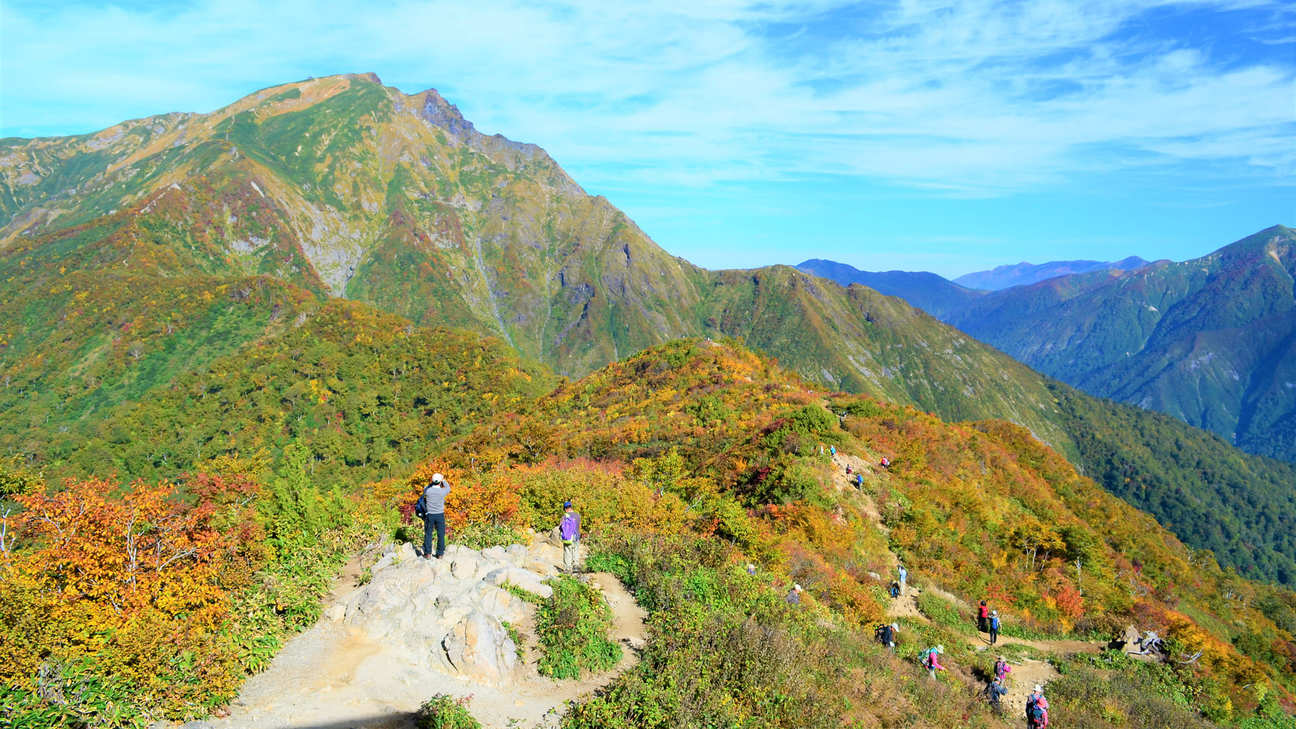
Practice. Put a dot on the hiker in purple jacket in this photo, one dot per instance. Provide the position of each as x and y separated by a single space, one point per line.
569 531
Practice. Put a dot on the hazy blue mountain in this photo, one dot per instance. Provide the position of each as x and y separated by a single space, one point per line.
927 291
1024 274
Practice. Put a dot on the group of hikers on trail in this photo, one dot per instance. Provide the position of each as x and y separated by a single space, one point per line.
430 507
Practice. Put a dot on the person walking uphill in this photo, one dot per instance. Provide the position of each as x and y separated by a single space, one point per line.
569 532
1037 709
431 508
983 617
931 660
994 627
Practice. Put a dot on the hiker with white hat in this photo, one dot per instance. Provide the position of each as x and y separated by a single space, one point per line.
794 597
1037 709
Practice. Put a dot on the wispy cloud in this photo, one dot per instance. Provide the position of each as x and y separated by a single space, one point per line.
975 97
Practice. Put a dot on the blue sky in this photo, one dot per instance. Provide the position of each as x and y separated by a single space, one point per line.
943 136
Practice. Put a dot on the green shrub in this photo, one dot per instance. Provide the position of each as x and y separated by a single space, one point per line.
445 712
78 696
481 536
572 627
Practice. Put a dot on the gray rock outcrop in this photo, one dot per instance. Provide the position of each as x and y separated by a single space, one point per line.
449 613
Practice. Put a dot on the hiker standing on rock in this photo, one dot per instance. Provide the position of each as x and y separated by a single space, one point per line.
569 532
983 618
431 508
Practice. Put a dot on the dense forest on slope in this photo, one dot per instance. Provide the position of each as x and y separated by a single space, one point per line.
687 461
1182 475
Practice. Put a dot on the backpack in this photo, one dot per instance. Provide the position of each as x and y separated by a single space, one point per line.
420 506
1037 712
927 657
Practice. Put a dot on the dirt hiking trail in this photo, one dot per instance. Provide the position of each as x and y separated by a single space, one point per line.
1026 673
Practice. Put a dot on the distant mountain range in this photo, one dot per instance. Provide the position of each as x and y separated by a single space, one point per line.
140 265
1024 274
1211 341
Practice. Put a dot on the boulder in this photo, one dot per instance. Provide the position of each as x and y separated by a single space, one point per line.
406 553
479 647
465 567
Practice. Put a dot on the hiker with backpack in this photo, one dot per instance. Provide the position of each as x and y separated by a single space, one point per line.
569 532
1037 709
903 575
431 509
983 618
995 691
895 589
994 627
1001 670
886 635
931 662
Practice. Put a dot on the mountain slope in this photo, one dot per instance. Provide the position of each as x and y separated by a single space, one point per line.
701 474
340 187
1024 274
347 188
1208 340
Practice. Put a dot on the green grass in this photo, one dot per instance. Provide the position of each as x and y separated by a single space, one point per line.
943 612
572 627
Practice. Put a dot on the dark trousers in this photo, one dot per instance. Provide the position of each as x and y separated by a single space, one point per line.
434 523
983 624
994 635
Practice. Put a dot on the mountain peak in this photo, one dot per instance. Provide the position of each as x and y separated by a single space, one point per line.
436 110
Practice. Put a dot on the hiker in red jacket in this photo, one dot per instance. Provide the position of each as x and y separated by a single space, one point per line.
983 618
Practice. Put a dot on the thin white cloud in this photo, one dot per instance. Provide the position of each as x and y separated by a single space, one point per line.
979 96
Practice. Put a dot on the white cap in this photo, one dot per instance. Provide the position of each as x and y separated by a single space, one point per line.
437 478
1039 689
895 626
940 649
797 587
